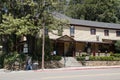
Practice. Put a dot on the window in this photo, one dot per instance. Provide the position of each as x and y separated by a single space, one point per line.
72 30
93 31
25 48
106 32
117 33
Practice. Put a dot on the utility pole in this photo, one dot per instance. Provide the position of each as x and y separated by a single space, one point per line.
43 40
43 45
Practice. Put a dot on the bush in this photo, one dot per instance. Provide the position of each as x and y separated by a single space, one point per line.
116 59
97 58
10 59
104 58
57 58
80 58
84 55
54 58
2 56
115 55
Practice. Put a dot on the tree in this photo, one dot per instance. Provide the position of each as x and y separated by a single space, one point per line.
95 10
117 46
26 18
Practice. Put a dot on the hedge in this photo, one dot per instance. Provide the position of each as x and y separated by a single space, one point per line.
115 55
102 58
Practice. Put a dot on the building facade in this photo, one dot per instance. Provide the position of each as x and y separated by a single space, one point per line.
85 36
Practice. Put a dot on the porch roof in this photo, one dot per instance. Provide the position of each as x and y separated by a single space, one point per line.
94 42
68 38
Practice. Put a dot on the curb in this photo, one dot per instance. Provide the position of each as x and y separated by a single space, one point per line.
68 69
77 68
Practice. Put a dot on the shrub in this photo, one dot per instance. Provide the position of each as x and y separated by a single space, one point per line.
2 56
84 55
21 57
54 58
116 55
9 59
116 59
104 58
98 58
80 58
57 58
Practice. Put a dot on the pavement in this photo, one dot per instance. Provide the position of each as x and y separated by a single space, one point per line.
65 69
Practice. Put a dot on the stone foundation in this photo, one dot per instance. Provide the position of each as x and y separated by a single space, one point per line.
100 63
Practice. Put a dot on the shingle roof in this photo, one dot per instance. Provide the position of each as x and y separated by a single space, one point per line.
86 22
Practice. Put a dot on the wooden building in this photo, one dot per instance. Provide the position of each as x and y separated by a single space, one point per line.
85 36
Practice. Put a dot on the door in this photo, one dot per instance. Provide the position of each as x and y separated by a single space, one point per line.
60 48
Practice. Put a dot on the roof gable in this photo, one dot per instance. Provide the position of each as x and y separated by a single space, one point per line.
65 38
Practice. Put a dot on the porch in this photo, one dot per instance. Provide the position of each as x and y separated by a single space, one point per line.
67 46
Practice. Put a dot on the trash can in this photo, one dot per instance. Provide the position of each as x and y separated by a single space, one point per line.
35 65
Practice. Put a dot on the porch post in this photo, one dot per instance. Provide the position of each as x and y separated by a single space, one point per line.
94 52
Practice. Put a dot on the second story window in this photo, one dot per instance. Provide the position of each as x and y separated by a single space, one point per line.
93 31
72 30
117 33
106 32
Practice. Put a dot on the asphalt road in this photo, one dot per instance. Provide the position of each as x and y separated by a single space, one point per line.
90 74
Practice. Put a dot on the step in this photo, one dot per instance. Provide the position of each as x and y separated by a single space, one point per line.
70 62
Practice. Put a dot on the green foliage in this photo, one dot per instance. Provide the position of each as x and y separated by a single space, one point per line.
117 46
18 26
104 58
53 58
27 18
38 49
80 58
113 57
116 55
2 56
84 55
11 58
95 10
56 58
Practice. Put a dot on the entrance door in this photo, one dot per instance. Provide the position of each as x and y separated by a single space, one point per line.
65 49
69 49
60 48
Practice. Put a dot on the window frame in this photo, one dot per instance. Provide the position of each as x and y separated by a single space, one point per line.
72 31
106 32
118 33
93 31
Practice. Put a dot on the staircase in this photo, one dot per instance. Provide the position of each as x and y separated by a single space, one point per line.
70 62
